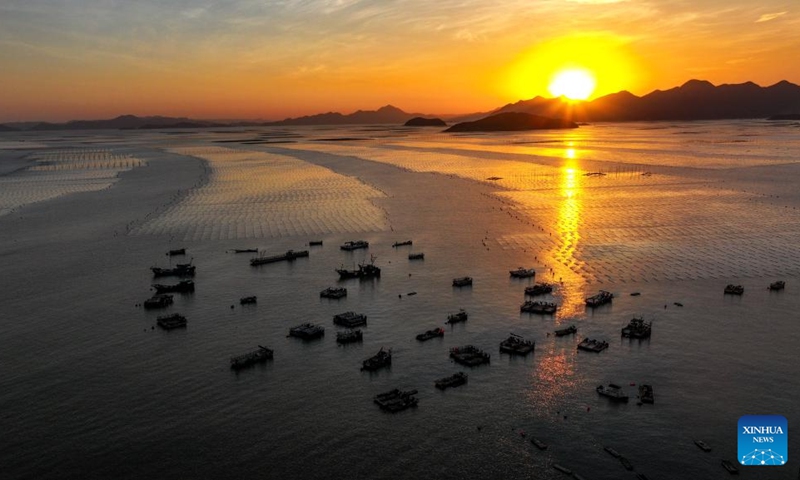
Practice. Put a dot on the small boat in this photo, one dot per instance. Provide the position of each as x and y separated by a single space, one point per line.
642 476
184 286
612 391
416 256
177 251
459 317
454 380
354 245
703 445
411 294
566 331
591 345
395 401
248 300
333 292
469 355
364 271
179 270
646 394
170 322
381 359
402 244
730 468
539 444
612 452
677 304
245 250
436 332
158 301
290 255
779 285
543 308
626 463
563 469
540 288
350 319
732 289
516 345
349 336
637 328
522 272
315 243
251 358
462 281
600 299
307 331
635 294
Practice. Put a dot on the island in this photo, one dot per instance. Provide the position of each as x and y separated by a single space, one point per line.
510 122
425 122
785 116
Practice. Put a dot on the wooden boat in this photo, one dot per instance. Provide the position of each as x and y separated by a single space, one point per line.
591 345
612 391
248 300
730 467
333 292
290 255
381 359
462 281
459 317
646 394
354 245
469 356
637 328
177 251
307 331
516 345
395 400
349 336
732 289
184 286
350 319
170 322
262 354
539 444
543 308
454 380
315 243
522 272
416 256
402 244
779 285
158 301
702 445
566 331
540 288
600 299
562 469
436 332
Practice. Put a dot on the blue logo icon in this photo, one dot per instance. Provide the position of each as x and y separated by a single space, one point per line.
763 440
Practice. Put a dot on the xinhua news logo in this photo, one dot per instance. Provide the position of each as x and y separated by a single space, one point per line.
763 440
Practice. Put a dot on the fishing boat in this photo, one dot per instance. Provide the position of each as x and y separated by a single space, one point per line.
349 336
184 286
540 288
177 251
516 345
290 255
591 345
562 469
436 332
402 244
315 243
779 285
539 444
245 250
612 452
381 359
416 256
158 301
248 300
395 400
350 319
454 380
364 271
600 299
612 391
459 317
262 354
469 355
646 394
730 467
170 322
354 245
179 270
543 308
522 272
462 281
637 328
702 445
307 331
732 289
333 292
626 463
566 331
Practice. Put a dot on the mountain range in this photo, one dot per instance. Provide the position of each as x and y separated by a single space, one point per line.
694 100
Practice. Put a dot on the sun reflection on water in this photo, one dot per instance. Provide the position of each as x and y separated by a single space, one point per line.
568 223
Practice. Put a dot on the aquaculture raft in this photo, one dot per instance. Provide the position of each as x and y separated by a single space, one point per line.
307 331
637 328
469 355
350 319
454 380
395 400
516 345
591 345
262 354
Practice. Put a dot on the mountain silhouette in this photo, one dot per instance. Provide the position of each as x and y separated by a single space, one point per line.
511 121
383 115
694 100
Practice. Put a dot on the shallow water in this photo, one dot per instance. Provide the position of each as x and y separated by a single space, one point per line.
88 389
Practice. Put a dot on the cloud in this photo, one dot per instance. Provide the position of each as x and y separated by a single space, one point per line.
770 16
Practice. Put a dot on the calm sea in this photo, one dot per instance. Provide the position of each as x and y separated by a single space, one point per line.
91 388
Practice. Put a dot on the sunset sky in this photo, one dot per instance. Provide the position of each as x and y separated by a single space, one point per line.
264 59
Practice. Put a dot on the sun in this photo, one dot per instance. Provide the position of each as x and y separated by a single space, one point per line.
573 83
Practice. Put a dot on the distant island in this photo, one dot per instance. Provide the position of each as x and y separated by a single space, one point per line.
425 122
694 100
785 116
511 122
